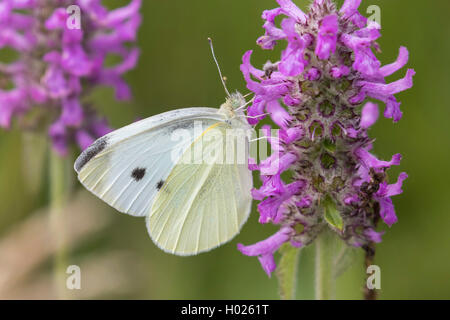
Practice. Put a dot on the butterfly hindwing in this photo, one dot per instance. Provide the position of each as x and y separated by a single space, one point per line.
201 205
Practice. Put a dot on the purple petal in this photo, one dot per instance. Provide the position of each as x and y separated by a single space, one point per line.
351 132
38 93
12 102
392 110
57 20
72 112
292 63
381 90
8 106
358 98
350 11
16 40
278 164
305 202
58 135
360 42
291 101
83 139
338 72
267 263
313 74
267 246
273 33
270 15
389 190
369 115
75 61
291 10
128 63
291 134
278 114
269 208
396 188
265 249
257 108
327 37
118 15
387 211
351 199
272 185
366 62
370 161
246 69
401 61
373 235
350 7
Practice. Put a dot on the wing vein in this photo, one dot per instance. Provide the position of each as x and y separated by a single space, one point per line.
192 198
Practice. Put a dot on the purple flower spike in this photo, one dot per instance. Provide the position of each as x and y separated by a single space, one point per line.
56 63
314 94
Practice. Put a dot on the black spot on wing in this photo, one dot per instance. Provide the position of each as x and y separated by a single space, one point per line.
138 173
159 184
94 149
182 125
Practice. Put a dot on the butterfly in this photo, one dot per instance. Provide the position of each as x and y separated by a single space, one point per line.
195 191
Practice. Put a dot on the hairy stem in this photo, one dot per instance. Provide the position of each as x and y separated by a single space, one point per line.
287 272
368 260
324 277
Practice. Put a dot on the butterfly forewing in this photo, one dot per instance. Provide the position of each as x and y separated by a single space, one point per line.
129 166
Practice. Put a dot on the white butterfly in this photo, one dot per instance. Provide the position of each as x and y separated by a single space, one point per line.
190 206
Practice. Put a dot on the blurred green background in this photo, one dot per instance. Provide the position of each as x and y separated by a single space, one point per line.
176 70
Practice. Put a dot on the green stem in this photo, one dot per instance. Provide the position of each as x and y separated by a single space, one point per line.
60 183
324 282
287 271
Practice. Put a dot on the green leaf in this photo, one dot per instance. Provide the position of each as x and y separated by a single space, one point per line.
331 214
286 271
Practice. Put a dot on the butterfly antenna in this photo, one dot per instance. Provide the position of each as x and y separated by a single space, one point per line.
218 68
245 105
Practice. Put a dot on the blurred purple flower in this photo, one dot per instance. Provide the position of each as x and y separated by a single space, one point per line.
327 70
58 65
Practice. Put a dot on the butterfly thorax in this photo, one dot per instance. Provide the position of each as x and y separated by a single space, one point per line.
233 102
